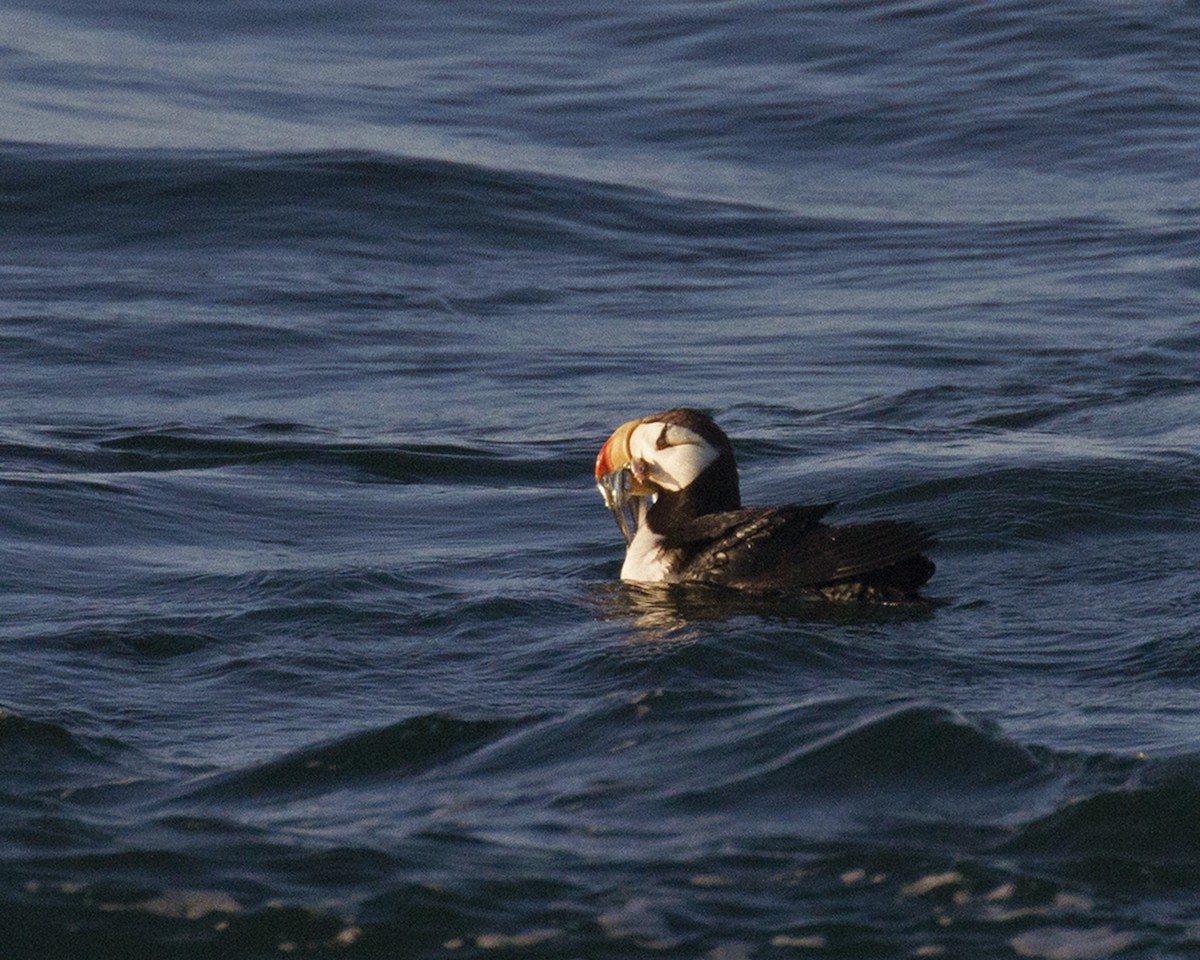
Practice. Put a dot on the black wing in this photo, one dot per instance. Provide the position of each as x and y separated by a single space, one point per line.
788 549
749 522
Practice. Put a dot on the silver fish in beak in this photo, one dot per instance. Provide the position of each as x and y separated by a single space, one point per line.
615 488
622 481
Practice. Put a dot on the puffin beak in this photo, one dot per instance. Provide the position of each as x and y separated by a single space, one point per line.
620 477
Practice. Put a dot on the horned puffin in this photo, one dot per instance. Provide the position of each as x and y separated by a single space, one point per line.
676 474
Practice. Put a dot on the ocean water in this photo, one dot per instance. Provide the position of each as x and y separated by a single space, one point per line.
312 320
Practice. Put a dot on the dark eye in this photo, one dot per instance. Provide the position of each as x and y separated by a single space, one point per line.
661 442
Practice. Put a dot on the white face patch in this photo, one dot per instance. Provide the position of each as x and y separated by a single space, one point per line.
674 456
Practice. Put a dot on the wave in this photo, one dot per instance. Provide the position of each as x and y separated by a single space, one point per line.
1141 833
44 762
367 203
411 462
902 761
407 748
1058 496
97 458
140 642
1171 657
21 736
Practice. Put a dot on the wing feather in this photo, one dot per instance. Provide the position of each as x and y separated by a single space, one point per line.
788 548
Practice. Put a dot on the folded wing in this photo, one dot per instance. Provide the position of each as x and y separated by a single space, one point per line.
788 549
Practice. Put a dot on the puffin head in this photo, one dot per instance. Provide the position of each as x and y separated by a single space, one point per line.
679 455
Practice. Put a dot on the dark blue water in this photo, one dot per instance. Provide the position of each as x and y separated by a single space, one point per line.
312 319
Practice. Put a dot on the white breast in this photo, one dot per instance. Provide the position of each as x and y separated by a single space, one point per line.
644 560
